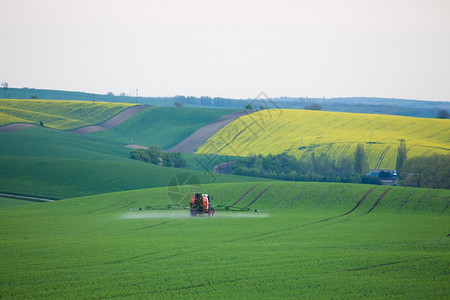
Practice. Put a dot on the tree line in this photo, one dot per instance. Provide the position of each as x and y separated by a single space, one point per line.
425 171
155 155
319 168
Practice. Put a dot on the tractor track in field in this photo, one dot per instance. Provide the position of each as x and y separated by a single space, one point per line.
379 199
381 158
119 202
245 194
260 194
386 264
320 221
360 201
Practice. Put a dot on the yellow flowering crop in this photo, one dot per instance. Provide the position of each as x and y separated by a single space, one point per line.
302 132
58 114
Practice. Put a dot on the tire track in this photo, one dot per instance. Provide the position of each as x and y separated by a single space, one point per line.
360 201
245 194
257 197
383 154
344 152
285 231
119 202
378 200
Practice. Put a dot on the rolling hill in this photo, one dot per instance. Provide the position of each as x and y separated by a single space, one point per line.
301 133
162 126
57 114
318 241
59 164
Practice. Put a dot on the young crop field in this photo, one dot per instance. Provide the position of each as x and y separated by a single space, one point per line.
58 114
162 126
57 164
318 241
302 132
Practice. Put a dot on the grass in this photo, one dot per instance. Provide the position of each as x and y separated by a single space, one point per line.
58 114
8 202
301 132
162 126
93 247
57 164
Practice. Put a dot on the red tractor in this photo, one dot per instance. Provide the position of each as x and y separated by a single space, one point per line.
201 204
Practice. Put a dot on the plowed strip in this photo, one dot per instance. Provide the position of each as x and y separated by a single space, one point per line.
113 122
260 194
379 199
245 194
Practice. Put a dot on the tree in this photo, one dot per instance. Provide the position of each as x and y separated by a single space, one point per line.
315 106
249 106
401 155
427 171
178 104
443 114
110 94
361 162
5 85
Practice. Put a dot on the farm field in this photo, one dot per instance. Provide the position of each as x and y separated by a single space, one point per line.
319 240
58 164
162 126
58 114
302 132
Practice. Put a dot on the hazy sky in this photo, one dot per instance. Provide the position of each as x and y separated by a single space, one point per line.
315 48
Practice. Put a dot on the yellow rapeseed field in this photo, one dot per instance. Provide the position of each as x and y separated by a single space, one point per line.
302 132
58 114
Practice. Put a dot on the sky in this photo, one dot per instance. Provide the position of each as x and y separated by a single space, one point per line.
229 48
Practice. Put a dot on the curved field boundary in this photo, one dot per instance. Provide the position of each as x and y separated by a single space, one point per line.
379 199
245 194
111 123
15 127
260 194
201 135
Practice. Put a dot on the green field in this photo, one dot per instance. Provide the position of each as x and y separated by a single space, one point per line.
301 133
162 126
58 114
58 164
8 202
319 241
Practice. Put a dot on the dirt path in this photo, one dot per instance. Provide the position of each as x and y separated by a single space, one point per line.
113 122
190 144
27 198
15 127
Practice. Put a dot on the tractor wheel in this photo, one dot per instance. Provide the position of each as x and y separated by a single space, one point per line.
193 213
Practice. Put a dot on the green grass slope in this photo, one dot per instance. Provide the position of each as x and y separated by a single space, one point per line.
306 247
55 164
162 126
58 178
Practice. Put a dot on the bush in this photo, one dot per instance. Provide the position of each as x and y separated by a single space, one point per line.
156 156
